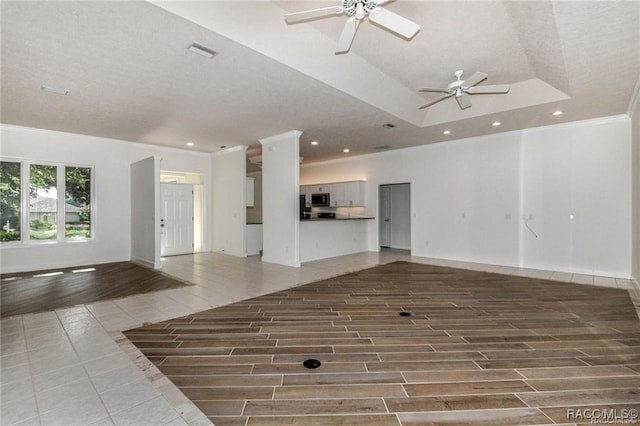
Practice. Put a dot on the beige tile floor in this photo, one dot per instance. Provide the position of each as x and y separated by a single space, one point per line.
74 367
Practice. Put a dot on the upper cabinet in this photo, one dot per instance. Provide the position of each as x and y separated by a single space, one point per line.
319 189
354 193
250 182
341 194
336 194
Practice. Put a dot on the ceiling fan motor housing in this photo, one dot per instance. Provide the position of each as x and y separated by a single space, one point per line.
458 83
350 7
455 85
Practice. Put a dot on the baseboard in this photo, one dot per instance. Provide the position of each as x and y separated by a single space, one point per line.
230 253
143 262
275 262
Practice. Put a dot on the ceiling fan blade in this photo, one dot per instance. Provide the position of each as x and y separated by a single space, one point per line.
474 79
348 33
434 89
464 100
394 22
295 17
436 100
498 88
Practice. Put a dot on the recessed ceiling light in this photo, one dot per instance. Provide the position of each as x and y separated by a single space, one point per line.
557 112
190 144
446 132
346 150
314 142
201 50
55 90
496 123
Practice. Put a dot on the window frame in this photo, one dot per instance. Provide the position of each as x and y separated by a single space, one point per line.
25 227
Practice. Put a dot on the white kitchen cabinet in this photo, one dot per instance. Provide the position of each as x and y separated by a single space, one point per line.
337 194
347 194
254 239
319 189
250 183
354 193
341 194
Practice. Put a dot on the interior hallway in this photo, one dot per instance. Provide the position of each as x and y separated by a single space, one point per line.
74 366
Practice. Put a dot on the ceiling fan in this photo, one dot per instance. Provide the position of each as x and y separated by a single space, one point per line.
358 10
463 88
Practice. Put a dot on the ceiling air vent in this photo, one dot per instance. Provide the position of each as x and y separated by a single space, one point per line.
202 50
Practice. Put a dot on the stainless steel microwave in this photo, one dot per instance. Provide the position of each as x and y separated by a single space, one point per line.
320 200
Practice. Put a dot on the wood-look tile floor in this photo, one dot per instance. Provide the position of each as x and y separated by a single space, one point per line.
30 292
478 348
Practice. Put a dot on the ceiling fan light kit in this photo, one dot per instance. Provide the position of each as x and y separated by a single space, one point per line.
461 89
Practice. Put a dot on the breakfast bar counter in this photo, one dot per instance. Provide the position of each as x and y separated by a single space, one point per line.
329 237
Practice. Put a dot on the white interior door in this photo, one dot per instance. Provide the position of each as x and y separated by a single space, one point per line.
145 205
176 221
401 216
385 216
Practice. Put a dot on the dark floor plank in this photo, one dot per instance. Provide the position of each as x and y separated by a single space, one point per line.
24 293
478 348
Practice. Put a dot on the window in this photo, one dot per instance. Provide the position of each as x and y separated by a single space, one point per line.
43 202
56 199
77 206
10 198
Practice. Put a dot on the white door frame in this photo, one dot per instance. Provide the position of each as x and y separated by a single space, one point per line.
398 208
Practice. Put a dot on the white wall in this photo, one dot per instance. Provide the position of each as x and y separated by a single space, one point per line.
111 159
145 210
469 196
329 238
229 201
280 206
635 117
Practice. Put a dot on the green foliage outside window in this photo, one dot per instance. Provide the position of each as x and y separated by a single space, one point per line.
9 201
42 180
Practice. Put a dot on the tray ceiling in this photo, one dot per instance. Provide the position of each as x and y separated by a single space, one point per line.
130 76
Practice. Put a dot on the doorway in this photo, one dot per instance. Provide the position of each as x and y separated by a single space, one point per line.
395 216
176 220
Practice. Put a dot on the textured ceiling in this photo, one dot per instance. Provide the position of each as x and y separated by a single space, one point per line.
130 76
